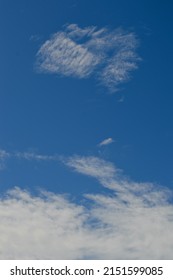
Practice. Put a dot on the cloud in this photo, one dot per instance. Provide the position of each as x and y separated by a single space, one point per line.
4 154
106 142
29 156
35 156
43 227
109 55
91 166
3 157
131 221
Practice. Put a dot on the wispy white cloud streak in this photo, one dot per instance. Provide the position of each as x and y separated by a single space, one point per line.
79 52
27 156
132 221
91 166
35 156
106 142
3 157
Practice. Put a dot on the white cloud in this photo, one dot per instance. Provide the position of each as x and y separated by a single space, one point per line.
35 156
29 156
3 157
91 166
79 52
47 227
132 221
62 55
106 142
119 69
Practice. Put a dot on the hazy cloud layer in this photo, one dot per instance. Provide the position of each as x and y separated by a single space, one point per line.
79 52
133 221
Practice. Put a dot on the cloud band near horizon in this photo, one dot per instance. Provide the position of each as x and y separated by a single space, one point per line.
132 221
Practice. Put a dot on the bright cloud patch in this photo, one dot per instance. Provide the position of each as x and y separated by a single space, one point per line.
79 52
133 221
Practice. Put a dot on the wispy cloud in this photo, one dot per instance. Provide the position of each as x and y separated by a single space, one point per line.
132 221
106 142
91 166
35 156
4 154
3 157
27 156
79 52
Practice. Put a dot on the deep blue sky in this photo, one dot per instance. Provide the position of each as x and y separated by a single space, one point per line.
52 114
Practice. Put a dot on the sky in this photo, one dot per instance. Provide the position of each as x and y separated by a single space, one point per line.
86 126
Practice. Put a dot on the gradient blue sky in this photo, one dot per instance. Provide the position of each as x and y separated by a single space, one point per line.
58 115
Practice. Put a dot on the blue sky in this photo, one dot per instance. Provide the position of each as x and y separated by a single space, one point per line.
86 111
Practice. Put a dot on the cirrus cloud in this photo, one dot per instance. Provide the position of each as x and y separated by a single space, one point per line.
106 142
80 52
